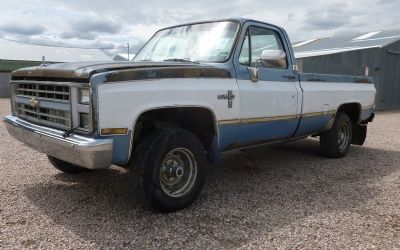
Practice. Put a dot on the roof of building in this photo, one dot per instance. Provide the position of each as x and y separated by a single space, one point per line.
123 57
16 51
326 46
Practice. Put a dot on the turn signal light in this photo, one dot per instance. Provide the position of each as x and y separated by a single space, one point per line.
114 131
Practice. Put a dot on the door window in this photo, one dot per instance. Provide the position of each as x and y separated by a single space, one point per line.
257 40
244 57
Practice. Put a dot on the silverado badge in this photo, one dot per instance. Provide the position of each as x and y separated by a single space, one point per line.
33 102
230 96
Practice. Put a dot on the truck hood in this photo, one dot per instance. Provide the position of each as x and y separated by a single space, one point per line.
118 70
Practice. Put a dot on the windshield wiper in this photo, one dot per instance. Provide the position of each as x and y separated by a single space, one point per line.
181 60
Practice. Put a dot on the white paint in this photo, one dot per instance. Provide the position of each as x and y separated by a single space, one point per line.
304 43
120 104
376 39
267 99
318 94
368 35
323 52
366 71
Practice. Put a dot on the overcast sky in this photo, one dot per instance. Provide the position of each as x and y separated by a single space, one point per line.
112 24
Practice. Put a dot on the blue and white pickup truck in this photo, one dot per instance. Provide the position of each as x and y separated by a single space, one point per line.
192 92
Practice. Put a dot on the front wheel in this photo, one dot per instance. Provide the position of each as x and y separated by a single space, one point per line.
335 143
169 169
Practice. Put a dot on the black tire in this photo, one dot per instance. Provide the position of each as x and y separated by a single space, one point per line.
157 160
66 167
336 142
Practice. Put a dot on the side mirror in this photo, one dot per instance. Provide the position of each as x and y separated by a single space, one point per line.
273 59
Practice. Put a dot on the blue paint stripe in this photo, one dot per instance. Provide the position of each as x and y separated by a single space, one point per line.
227 136
312 125
243 134
235 135
121 145
273 130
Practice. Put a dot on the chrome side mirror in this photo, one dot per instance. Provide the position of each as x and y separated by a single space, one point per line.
273 59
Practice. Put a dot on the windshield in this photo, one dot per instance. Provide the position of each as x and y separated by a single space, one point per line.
206 42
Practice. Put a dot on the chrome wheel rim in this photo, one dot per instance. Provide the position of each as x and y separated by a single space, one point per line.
178 172
343 136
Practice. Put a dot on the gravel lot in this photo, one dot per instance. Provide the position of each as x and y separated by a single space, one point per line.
284 196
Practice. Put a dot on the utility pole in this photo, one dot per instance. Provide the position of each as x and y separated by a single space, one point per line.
128 52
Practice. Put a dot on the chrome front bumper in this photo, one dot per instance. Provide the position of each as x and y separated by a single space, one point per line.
82 151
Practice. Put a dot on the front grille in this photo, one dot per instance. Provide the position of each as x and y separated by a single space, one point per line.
43 91
47 103
52 117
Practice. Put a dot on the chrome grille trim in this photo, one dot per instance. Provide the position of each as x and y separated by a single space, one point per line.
51 117
46 103
43 91
70 84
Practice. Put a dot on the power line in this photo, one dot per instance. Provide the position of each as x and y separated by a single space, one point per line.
55 46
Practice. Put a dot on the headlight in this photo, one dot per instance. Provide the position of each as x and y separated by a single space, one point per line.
84 121
84 96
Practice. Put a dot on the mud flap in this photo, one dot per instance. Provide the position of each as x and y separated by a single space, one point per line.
359 134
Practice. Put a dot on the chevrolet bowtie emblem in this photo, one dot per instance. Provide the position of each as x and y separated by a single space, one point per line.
33 102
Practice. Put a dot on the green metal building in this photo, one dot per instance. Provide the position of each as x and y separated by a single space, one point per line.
15 55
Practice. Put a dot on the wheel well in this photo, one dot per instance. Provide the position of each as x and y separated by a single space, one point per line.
200 121
353 110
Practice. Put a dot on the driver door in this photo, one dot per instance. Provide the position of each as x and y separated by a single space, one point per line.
269 107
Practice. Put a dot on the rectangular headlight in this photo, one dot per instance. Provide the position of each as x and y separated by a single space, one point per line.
84 120
84 96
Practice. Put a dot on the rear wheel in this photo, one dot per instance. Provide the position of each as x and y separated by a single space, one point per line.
66 167
169 169
335 143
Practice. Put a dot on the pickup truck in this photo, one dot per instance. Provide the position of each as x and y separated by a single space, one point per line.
192 92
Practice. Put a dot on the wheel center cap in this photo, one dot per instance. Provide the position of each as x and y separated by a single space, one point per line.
175 171
179 172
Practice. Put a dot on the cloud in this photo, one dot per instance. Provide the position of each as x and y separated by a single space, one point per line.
385 1
22 29
326 20
103 22
77 34
94 24
89 27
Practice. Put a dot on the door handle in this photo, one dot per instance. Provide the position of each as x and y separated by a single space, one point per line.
289 76
254 73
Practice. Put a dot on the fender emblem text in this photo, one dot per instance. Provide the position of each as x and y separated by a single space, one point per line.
230 96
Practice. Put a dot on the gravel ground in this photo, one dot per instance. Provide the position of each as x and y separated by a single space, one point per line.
285 197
